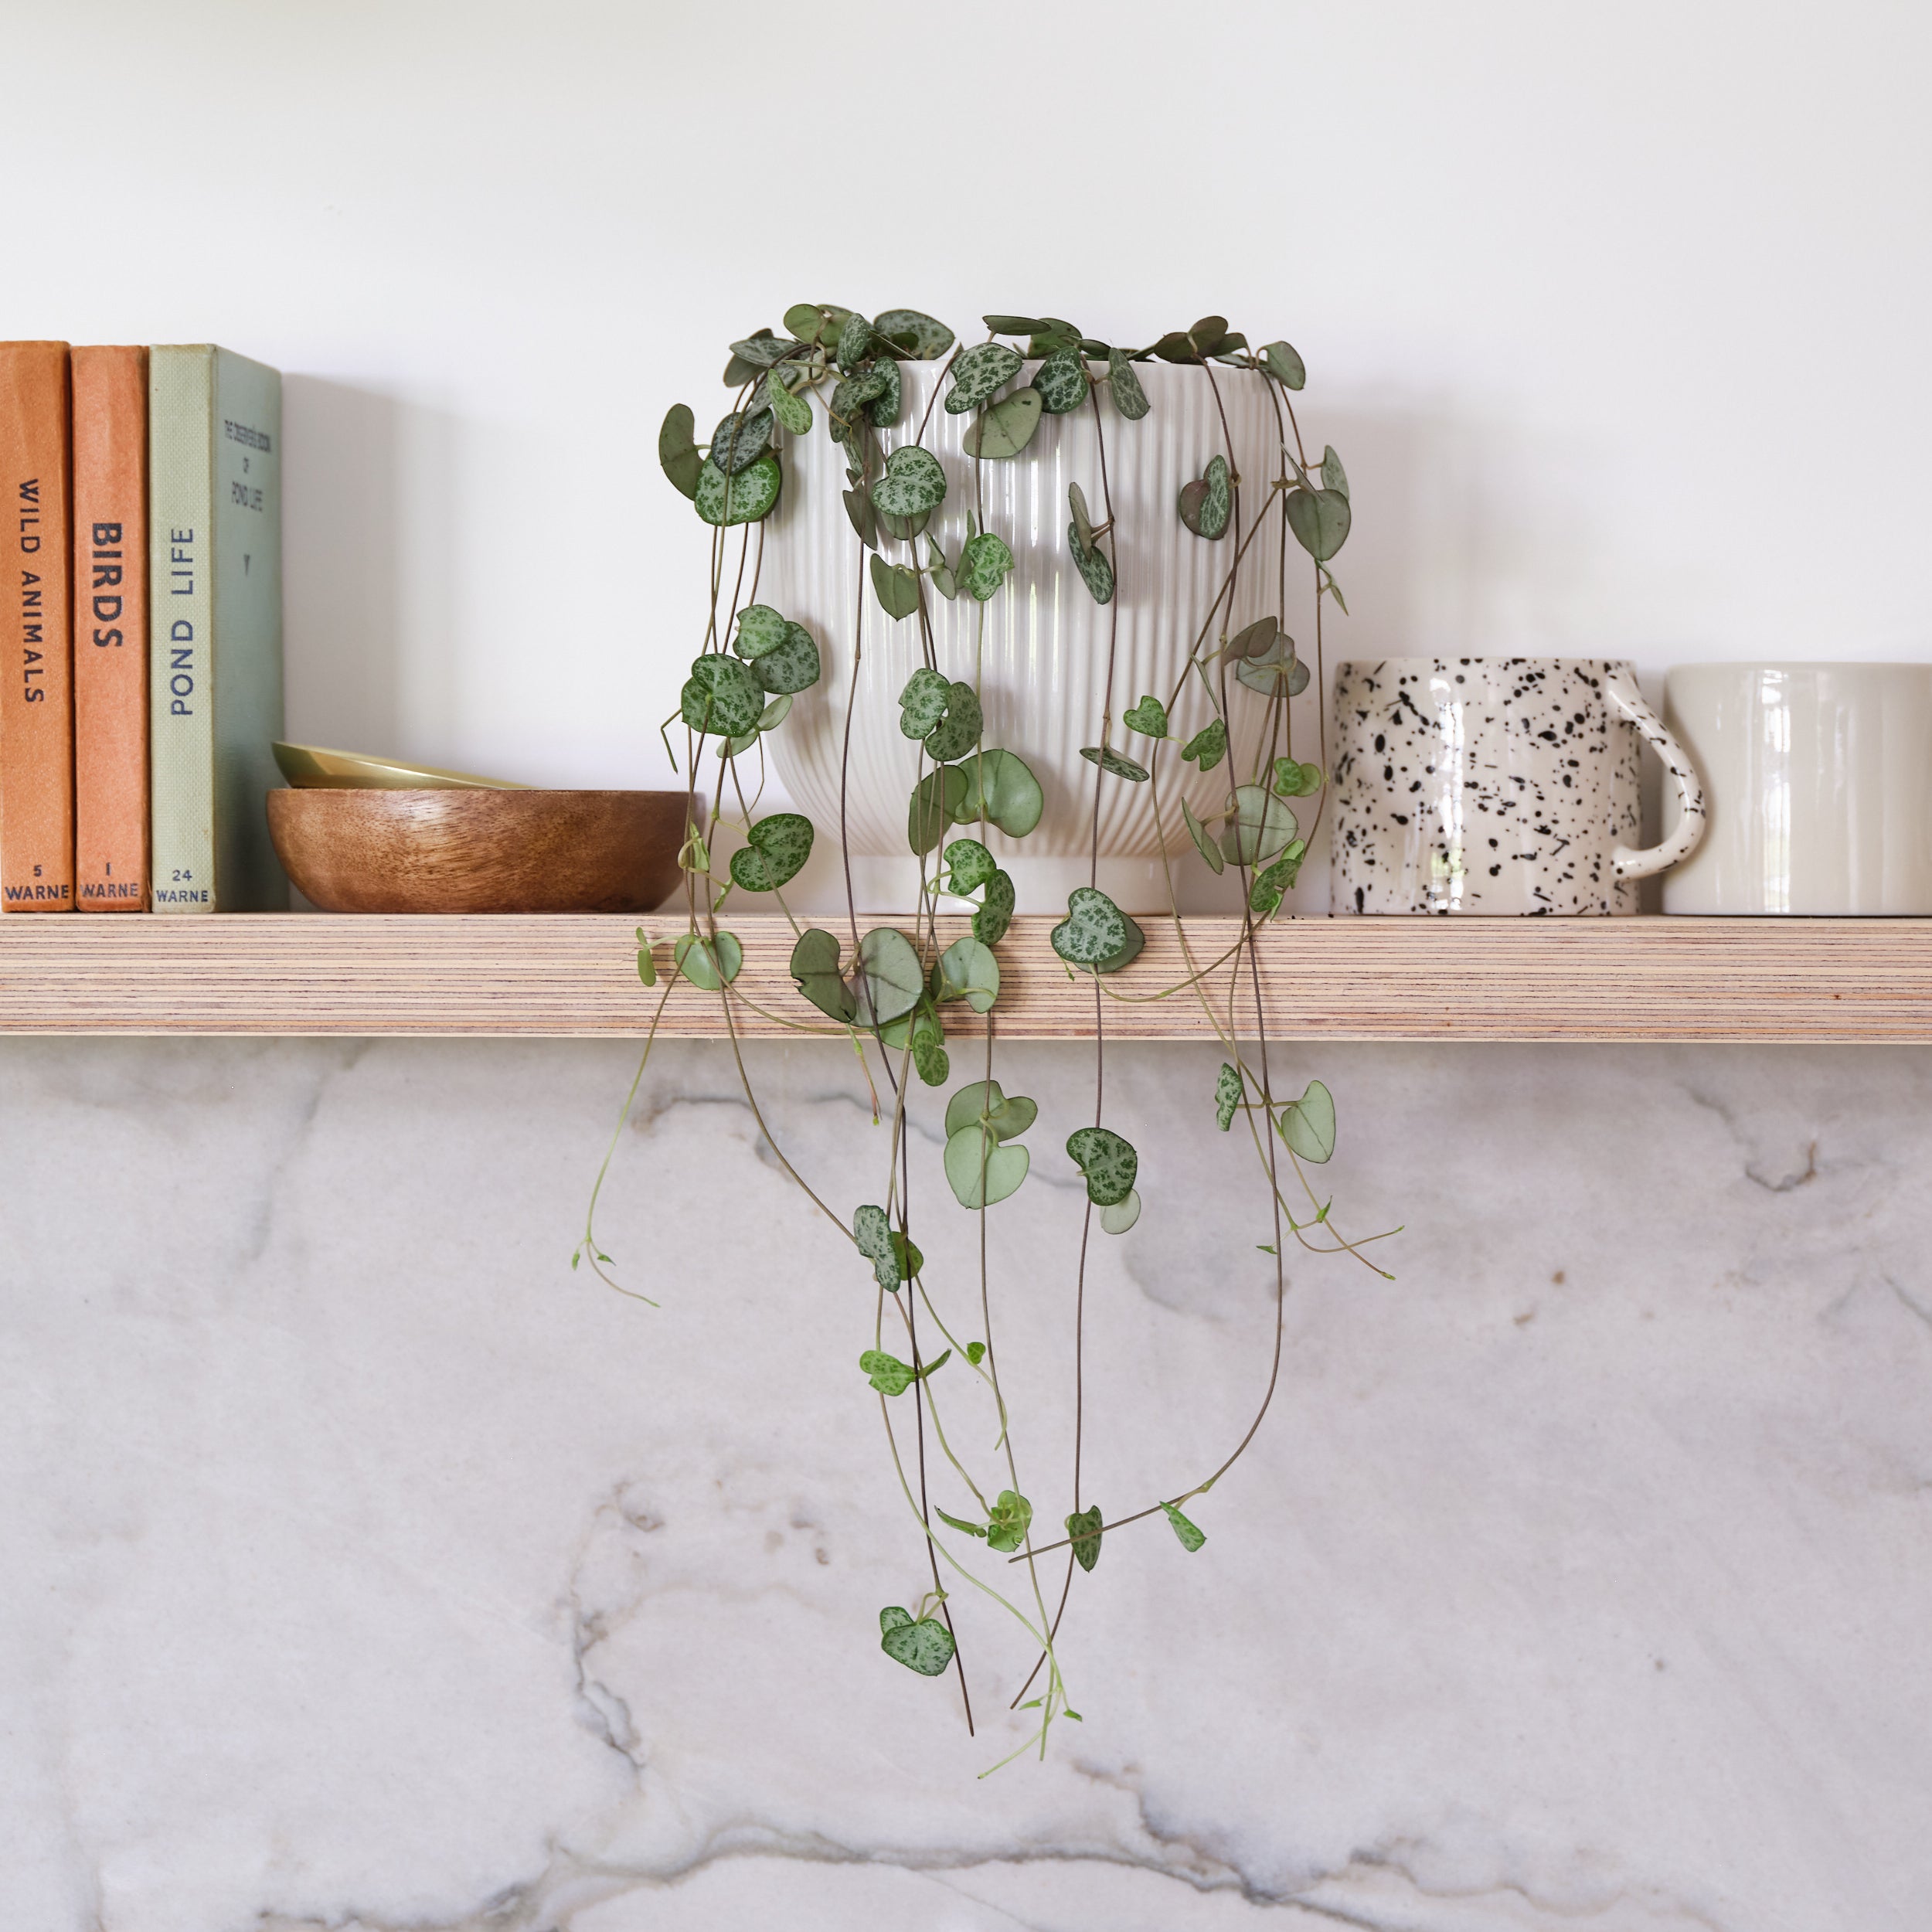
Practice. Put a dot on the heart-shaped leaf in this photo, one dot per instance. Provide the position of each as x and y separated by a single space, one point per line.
815 322
1127 953
930 1060
814 967
1228 1092
865 519
1307 1124
883 408
1334 476
1129 398
1208 746
1207 333
983 565
1176 347
895 587
707 966
967 970
922 703
925 1646
872 1232
853 395
1121 1216
1264 897
1109 1163
1259 828
1005 429
1267 671
761 629
1284 365
677 452
1095 571
1001 789
1192 1537
1093 930
740 440
980 1169
984 1104
721 696
779 845
1149 718
1295 780
1109 759
892 1377
740 499
978 373
1048 336
1320 520
762 350
855 344
1061 380
888 979
792 667
1207 503
937 805
1008 1521
995 912
1205 845
915 336
972 865
913 483
1084 1527
793 413
958 731
1255 641
1083 528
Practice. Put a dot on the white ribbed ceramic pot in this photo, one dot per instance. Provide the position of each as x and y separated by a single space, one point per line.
1042 654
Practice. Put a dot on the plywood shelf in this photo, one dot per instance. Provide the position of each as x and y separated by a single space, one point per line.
1392 979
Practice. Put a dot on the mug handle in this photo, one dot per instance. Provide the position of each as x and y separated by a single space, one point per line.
1620 687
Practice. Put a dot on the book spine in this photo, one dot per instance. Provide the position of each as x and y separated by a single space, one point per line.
247 441
181 586
110 629
36 654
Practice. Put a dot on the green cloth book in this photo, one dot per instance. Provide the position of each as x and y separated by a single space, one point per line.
215 630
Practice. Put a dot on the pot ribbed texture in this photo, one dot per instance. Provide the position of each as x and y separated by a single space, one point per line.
1041 645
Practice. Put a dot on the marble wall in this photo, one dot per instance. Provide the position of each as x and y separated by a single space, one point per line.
365 1569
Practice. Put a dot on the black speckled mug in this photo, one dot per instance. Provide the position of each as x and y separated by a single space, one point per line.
1497 785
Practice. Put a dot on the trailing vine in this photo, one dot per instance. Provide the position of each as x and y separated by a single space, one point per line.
892 990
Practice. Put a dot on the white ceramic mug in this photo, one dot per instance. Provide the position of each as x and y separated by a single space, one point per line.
1820 780
1496 785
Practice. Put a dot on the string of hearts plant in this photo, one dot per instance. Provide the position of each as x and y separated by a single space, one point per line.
892 989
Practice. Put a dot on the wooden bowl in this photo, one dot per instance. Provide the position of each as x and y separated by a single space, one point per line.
455 851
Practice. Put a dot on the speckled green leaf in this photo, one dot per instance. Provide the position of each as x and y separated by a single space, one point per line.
936 807
884 407
1108 1162
872 1232
761 629
979 1169
958 731
1093 930
762 349
984 370
1135 943
1006 428
925 1646
896 588
1294 779
1048 336
967 970
1061 380
1284 365
995 911
855 344
1208 746
888 977
1191 1537
1129 398
780 845
1307 1124
814 967
918 337
1228 1090
1320 521
922 703
705 965
1109 759
1203 843
1207 503
1334 476
1096 573
721 696
677 452
1259 829
930 1060
1000 787
1266 894
793 413
1084 1527
792 667
888 1375
742 499
1082 524
983 565
972 865
1149 718
913 483
740 440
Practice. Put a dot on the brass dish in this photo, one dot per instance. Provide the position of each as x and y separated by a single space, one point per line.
313 767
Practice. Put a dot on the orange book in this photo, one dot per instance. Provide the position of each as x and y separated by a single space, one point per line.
110 629
37 654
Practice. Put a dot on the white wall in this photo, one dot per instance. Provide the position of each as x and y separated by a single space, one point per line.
1618 315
